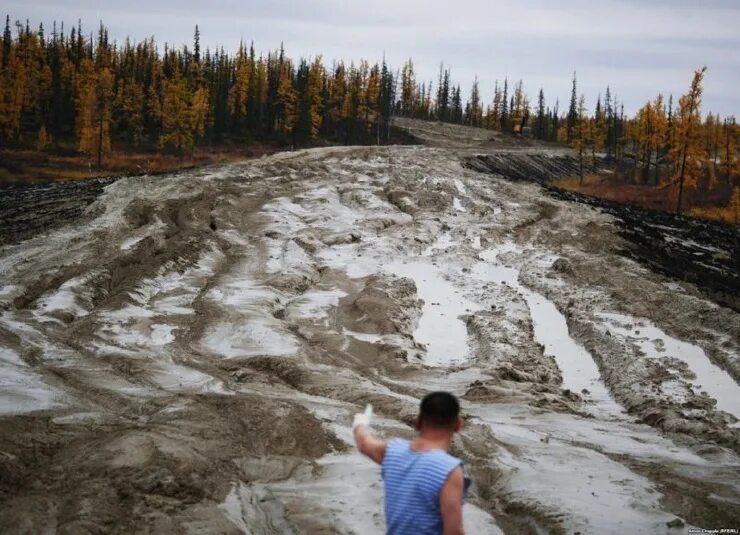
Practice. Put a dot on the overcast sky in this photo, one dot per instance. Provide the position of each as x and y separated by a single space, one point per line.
638 47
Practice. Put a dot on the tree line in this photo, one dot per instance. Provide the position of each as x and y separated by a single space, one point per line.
664 145
82 90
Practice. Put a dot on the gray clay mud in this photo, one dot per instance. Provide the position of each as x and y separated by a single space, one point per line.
188 354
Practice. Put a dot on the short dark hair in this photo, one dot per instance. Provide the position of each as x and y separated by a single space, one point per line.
439 409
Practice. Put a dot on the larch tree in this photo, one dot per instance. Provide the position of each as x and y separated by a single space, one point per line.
286 100
658 136
94 96
734 204
177 122
408 89
238 99
729 162
520 108
200 113
598 130
687 154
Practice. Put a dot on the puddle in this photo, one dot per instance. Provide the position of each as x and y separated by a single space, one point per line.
460 186
250 337
440 329
655 343
22 390
441 244
555 461
580 372
314 304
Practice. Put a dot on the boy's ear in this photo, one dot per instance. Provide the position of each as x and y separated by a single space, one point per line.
458 424
417 423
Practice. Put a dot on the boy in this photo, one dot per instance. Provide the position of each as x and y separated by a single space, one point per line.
424 485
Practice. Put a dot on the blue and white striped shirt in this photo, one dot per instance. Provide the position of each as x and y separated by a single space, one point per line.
413 481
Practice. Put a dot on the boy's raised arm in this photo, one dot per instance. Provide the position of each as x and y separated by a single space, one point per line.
368 445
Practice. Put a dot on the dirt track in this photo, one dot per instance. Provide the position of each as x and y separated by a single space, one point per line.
187 356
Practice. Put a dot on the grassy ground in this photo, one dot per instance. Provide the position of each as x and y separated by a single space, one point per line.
30 166
655 198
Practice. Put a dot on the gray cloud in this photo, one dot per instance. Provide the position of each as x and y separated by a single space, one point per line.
638 47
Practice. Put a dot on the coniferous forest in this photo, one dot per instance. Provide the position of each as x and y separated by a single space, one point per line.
70 90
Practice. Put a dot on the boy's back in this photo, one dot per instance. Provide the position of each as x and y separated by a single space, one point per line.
424 485
413 482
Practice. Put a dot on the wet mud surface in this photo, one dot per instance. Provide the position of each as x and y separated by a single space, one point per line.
187 356
702 252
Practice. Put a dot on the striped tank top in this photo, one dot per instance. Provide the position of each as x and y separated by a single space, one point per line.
412 482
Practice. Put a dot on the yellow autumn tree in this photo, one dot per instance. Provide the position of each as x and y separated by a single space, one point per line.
200 113
177 122
337 93
735 204
520 111
598 130
286 99
44 140
239 92
94 99
729 162
659 133
687 153
408 89
129 102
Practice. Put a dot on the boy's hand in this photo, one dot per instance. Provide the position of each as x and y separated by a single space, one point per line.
363 418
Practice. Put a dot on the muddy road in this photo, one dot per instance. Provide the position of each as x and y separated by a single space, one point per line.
186 357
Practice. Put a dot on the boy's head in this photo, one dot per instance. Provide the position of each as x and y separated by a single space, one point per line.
439 410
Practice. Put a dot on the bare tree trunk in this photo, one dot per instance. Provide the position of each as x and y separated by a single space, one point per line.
681 178
100 142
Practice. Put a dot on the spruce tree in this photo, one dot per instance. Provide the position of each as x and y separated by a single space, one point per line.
504 107
7 41
540 128
572 118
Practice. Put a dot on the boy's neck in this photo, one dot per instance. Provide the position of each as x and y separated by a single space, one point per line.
432 439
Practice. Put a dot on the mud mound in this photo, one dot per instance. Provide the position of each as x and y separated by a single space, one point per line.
191 358
129 478
531 167
29 210
702 252
382 307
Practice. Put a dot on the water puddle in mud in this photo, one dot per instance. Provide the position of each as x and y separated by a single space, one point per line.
561 462
655 343
444 333
460 186
441 244
579 371
22 390
440 328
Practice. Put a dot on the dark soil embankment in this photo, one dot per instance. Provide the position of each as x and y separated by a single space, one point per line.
698 251
532 166
29 210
